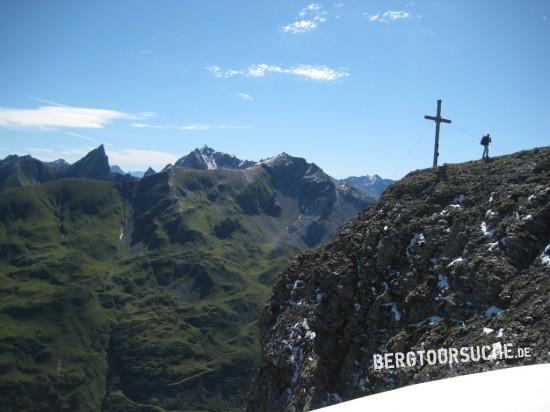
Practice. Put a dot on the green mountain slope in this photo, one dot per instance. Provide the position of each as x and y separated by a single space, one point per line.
57 242
122 296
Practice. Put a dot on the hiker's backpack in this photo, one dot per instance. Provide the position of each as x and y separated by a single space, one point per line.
484 141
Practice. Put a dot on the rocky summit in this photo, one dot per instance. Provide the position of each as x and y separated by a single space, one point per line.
457 256
207 158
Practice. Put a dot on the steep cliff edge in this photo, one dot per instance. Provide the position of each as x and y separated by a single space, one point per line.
456 257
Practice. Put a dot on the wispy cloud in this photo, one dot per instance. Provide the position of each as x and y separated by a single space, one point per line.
132 159
246 97
49 154
128 159
388 16
320 73
188 127
309 19
81 136
59 116
40 150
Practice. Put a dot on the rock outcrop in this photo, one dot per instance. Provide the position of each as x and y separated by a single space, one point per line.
448 258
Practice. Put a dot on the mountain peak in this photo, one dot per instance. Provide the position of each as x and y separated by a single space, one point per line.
150 171
283 156
117 169
94 165
60 163
206 158
372 185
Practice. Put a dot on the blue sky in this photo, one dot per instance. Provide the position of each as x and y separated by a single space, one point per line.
344 84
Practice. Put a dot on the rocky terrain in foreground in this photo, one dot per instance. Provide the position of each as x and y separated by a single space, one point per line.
453 257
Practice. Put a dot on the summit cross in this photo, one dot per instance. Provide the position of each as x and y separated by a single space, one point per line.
438 120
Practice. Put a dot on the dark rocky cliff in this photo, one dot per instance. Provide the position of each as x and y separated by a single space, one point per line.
448 258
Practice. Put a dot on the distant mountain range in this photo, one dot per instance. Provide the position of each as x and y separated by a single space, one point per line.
204 158
17 171
136 173
121 293
372 185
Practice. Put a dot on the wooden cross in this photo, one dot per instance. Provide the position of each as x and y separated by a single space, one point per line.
438 120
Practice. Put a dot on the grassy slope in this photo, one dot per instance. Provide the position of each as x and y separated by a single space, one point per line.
195 297
165 316
57 243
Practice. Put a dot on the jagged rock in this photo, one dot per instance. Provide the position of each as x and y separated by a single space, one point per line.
150 171
445 256
94 165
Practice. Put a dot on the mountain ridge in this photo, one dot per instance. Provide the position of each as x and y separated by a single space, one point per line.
95 165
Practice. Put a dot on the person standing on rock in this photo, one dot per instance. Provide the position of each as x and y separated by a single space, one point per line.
485 141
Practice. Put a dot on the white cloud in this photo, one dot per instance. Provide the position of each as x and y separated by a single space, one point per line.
313 7
135 159
388 16
43 150
317 73
188 127
320 73
128 159
147 126
310 18
49 154
260 70
222 74
81 136
59 116
300 26
246 97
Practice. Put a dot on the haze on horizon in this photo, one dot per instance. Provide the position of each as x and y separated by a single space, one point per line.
344 84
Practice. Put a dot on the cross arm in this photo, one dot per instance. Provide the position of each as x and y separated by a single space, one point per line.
437 119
